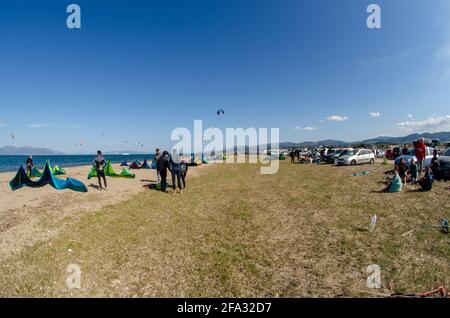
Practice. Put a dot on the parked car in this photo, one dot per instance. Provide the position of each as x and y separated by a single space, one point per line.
357 156
444 162
381 154
332 155
410 155
389 154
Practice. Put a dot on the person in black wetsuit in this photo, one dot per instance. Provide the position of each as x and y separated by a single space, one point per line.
30 165
161 166
292 155
99 164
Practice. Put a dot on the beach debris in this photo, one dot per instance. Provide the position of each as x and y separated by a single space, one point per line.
444 226
220 112
373 223
359 174
404 234
430 294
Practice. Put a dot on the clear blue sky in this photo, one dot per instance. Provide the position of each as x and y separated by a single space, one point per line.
138 69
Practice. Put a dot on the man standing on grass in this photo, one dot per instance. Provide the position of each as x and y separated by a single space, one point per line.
292 155
420 152
99 164
161 166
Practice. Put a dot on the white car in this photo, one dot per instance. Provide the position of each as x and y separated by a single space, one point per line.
410 155
355 157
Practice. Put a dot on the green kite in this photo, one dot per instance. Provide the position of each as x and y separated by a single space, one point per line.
109 171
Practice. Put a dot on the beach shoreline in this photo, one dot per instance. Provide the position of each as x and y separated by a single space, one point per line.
25 213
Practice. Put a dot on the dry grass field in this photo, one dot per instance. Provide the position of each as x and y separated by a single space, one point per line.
302 232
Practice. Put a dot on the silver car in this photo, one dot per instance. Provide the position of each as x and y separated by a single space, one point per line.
355 157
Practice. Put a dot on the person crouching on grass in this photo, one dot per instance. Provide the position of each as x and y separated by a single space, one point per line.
99 164
427 182
402 170
413 171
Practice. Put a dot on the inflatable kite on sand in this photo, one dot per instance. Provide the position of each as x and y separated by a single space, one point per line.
135 165
109 171
22 180
145 165
56 171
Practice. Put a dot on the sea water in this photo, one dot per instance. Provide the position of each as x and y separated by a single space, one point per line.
12 163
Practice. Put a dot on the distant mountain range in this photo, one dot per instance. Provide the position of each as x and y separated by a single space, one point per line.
121 152
23 151
441 136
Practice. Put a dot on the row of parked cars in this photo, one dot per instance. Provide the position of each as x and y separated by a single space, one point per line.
349 156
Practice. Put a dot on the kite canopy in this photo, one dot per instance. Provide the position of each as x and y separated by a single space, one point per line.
56 171
35 173
22 180
154 163
124 164
109 171
145 165
135 165
220 112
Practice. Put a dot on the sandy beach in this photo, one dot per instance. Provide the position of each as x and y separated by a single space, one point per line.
25 213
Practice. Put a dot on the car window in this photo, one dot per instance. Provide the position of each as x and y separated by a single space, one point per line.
447 152
411 152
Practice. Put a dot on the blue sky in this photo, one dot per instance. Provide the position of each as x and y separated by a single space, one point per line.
138 69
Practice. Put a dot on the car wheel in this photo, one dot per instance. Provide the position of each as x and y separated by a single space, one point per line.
353 163
371 161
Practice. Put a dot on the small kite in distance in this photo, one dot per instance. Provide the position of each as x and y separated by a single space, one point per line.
13 136
220 112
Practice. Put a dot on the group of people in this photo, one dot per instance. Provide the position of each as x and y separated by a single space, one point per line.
302 158
174 164
404 173
164 163
412 171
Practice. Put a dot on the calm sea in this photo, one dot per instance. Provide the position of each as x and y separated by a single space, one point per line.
12 163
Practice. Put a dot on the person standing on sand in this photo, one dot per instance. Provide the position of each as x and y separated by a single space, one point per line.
99 164
161 167
30 164
157 156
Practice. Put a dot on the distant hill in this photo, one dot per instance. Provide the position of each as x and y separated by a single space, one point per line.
23 151
441 136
